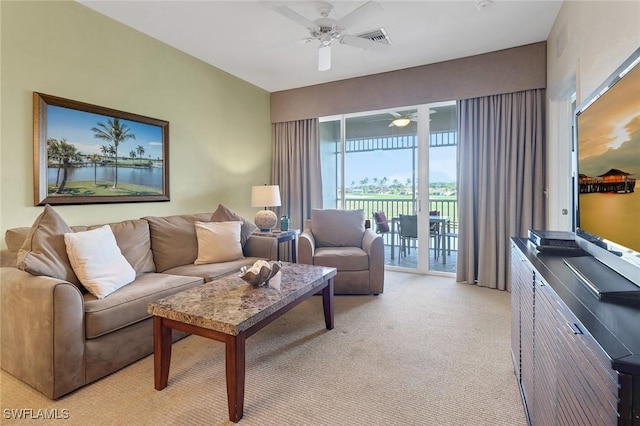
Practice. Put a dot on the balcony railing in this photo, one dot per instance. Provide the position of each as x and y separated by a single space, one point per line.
395 207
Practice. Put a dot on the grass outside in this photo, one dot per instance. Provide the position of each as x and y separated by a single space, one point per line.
102 188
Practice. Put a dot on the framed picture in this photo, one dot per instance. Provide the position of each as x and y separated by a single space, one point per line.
86 154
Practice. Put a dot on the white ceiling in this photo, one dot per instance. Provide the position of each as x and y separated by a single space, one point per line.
251 41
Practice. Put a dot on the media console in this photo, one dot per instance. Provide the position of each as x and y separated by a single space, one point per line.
576 356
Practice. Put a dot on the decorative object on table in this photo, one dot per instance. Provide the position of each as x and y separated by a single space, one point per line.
284 223
261 272
111 176
265 196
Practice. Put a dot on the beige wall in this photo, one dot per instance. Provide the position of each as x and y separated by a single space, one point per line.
588 41
220 131
504 71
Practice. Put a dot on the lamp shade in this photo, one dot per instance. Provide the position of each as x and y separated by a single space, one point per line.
265 196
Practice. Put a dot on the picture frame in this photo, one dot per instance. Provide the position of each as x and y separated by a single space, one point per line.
88 154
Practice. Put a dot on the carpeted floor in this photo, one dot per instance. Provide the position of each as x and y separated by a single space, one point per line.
426 352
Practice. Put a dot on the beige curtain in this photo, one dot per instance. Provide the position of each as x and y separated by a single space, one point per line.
296 168
501 181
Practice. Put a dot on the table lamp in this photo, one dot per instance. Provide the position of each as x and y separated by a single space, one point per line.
265 196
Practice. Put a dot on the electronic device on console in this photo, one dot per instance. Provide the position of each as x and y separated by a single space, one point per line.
560 242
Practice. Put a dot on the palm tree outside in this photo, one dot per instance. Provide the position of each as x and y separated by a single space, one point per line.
115 132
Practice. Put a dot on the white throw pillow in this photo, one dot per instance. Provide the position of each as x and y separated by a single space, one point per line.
218 242
97 261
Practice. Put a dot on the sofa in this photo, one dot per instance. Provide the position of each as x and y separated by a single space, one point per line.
57 336
338 238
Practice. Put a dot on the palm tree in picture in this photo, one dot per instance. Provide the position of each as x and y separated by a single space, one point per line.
140 151
53 154
68 154
132 155
95 159
115 132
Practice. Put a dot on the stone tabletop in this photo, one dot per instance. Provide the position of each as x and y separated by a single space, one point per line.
230 305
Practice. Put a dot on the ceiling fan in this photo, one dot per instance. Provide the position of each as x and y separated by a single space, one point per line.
398 119
328 30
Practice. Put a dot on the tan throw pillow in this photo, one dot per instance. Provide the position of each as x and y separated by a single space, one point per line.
43 251
224 214
218 242
97 261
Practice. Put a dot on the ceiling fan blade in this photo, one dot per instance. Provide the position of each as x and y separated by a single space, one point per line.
362 43
395 114
295 17
324 58
370 8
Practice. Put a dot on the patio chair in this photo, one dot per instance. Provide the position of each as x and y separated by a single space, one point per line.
408 232
434 232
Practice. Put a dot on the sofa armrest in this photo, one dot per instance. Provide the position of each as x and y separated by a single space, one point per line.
306 247
262 247
373 244
42 331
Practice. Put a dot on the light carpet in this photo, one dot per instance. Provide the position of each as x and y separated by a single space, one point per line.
428 351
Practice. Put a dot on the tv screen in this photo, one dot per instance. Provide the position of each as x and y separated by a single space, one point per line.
608 162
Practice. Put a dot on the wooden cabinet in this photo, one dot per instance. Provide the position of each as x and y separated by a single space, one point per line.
565 375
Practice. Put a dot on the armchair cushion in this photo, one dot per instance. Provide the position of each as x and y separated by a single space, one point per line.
337 228
342 258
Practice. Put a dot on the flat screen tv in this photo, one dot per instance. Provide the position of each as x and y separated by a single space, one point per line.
607 179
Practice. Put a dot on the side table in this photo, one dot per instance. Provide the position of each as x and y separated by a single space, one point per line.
283 237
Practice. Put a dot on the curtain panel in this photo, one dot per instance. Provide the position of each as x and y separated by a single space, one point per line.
296 168
501 180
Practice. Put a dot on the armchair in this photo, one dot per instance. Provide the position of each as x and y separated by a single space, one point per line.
338 238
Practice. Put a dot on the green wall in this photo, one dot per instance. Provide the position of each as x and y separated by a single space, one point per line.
220 131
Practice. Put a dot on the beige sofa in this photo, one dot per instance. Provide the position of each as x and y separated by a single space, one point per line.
57 337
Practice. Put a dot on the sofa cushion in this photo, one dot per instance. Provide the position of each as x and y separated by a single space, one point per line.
342 258
337 228
173 239
128 305
44 252
15 237
224 214
211 271
134 241
218 242
97 261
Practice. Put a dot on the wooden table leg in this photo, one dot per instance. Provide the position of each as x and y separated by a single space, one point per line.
161 353
294 250
235 368
327 304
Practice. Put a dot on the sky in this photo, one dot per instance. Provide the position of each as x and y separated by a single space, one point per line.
75 126
396 164
609 130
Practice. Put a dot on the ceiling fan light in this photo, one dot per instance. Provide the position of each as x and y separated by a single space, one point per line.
324 58
401 122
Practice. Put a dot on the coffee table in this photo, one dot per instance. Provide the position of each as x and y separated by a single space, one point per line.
229 310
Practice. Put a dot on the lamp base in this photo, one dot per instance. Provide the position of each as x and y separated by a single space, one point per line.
265 220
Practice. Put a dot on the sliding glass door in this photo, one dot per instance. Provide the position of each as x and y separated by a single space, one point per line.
380 162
